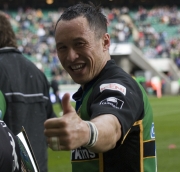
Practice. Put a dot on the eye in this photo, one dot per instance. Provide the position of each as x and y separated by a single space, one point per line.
80 44
60 48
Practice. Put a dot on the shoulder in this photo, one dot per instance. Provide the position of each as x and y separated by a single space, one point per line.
115 78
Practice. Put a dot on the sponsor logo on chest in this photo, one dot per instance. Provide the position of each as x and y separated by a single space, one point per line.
83 154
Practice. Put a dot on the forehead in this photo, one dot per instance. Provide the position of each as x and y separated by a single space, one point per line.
78 27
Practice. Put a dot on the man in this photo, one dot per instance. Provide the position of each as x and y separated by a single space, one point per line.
55 88
26 90
112 128
9 150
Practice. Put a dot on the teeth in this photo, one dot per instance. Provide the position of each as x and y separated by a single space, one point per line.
77 67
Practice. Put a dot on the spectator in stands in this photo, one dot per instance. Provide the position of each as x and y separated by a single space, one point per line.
55 88
34 31
157 41
154 44
26 90
156 86
178 62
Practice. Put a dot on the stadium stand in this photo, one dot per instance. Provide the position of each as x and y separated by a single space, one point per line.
153 30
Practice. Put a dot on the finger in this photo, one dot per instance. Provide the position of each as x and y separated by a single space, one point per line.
54 143
53 132
67 107
53 123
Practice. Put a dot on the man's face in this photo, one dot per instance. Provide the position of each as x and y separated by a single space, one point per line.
80 52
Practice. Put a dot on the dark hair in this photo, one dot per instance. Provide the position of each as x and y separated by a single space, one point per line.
92 13
7 35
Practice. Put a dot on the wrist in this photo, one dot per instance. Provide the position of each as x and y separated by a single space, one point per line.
93 134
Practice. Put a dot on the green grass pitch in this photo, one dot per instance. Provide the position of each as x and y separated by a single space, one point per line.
167 127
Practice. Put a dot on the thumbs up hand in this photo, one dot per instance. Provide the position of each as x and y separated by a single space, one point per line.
67 107
69 130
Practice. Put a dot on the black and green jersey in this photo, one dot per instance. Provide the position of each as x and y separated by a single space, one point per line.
116 92
9 150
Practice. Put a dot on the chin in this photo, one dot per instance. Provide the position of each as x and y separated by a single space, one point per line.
81 82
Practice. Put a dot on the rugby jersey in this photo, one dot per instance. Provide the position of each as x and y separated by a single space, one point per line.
116 92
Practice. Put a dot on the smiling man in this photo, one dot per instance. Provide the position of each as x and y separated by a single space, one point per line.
110 130
78 50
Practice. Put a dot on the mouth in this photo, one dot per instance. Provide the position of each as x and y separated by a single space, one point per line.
77 67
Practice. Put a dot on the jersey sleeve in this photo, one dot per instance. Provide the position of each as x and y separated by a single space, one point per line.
122 100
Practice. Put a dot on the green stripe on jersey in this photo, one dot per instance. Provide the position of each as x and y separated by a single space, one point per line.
2 106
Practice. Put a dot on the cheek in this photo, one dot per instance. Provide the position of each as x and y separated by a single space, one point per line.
61 60
61 57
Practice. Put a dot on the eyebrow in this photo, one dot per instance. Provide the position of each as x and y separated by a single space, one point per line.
59 44
74 40
78 39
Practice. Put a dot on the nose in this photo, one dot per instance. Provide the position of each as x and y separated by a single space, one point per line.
72 55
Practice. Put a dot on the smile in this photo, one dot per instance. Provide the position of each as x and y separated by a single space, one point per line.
77 67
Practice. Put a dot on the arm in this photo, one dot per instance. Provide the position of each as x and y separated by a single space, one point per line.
73 132
109 130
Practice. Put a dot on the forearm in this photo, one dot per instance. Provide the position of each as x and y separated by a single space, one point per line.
109 132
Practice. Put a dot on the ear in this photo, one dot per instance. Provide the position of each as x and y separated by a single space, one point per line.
106 42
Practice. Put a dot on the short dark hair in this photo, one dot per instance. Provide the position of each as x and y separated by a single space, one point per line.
92 13
8 38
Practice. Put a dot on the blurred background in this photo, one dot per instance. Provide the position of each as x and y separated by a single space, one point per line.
145 42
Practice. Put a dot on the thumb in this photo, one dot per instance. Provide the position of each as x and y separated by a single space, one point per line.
66 105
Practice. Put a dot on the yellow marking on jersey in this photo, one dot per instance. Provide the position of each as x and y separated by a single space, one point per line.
149 140
138 123
101 169
141 143
141 146
149 157
85 160
125 135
